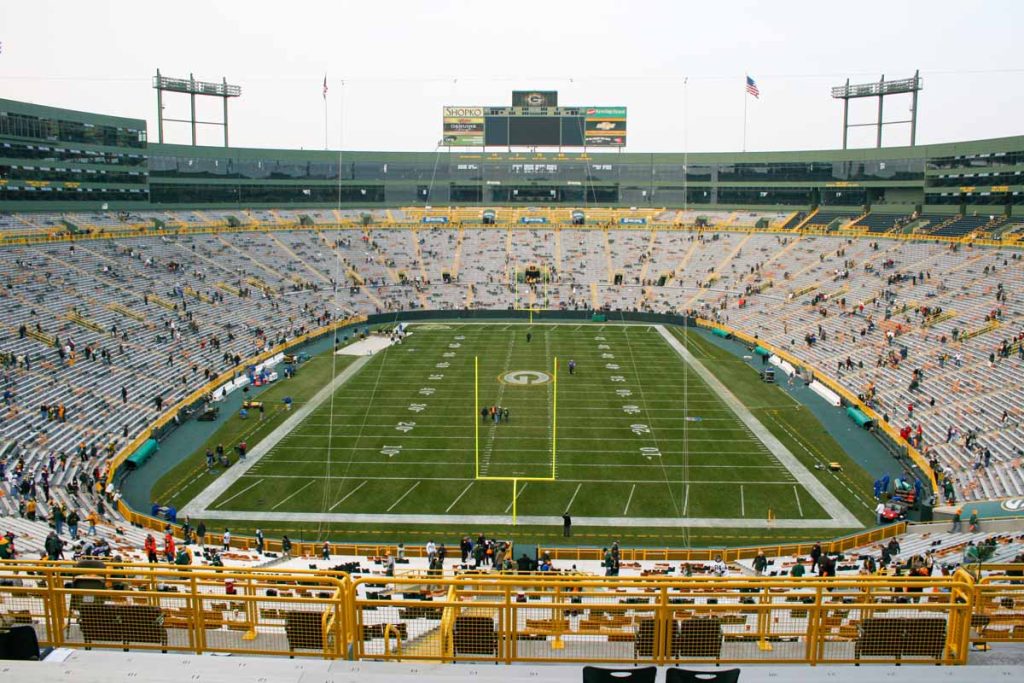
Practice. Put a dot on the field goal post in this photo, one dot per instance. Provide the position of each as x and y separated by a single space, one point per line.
476 437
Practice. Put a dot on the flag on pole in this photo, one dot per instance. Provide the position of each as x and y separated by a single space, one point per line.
325 86
751 88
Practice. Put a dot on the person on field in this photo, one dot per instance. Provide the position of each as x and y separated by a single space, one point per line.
566 524
572 367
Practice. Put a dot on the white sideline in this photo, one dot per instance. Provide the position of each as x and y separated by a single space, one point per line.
835 509
198 506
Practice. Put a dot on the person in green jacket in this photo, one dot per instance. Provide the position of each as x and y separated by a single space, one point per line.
797 571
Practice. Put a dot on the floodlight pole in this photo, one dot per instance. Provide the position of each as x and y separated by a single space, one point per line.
159 110
192 97
913 112
881 100
192 87
225 83
880 89
846 115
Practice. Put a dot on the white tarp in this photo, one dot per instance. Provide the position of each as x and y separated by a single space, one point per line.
785 366
243 379
826 393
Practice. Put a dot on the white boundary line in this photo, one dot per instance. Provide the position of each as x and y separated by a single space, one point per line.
241 492
347 496
297 492
199 506
629 500
832 506
402 497
573 499
459 497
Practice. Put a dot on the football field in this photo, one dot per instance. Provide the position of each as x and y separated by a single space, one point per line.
638 435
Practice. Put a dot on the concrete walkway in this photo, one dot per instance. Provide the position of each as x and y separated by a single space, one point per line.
833 507
197 507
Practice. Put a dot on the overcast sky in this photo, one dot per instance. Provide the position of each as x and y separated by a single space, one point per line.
392 64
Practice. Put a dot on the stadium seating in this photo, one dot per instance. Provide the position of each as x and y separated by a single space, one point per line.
155 305
880 222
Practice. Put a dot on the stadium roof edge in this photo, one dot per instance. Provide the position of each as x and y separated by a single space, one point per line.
45 111
966 147
985 146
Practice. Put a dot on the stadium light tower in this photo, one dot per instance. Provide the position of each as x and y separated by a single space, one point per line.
881 90
191 87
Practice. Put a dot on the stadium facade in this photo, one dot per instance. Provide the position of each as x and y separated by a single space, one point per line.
55 159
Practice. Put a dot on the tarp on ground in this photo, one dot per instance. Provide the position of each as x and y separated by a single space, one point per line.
142 454
858 416
827 394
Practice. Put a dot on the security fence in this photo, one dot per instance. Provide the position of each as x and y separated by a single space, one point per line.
509 617
998 614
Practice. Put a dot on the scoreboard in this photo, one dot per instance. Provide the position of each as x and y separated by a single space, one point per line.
534 126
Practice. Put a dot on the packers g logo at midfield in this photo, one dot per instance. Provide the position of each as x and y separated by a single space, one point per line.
524 378
1013 505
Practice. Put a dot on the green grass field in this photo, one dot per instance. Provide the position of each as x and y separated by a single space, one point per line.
637 436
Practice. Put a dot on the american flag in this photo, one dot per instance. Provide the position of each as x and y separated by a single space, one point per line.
325 86
751 87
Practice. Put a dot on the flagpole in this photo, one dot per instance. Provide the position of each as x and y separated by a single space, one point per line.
746 96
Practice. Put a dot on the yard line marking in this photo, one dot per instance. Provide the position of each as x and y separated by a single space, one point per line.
629 500
241 492
295 494
404 495
347 496
643 405
578 487
686 500
799 507
459 497
521 489
743 508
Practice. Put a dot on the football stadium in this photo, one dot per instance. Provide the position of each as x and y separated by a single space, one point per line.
526 397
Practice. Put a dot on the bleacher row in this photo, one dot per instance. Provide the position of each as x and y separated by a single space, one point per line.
156 315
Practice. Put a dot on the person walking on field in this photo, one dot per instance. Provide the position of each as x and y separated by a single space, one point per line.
572 367
566 524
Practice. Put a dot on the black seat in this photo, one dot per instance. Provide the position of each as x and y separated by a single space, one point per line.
688 676
596 674
19 642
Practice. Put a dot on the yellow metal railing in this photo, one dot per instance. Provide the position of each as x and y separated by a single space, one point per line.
664 620
999 604
6 238
514 618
